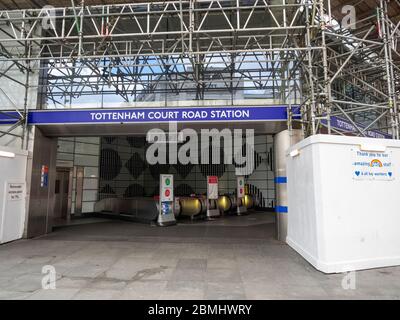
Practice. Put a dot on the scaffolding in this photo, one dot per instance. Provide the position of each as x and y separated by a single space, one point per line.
292 52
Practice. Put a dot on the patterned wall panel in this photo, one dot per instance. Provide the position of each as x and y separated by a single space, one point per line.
133 176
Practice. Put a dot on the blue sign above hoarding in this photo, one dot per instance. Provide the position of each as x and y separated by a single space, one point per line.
345 126
184 114
8 117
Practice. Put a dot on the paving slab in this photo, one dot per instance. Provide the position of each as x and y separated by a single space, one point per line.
123 260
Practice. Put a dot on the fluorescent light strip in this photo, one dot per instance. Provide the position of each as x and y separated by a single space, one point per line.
294 153
6 154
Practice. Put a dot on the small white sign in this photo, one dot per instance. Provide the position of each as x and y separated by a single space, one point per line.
240 187
166 187
212 187
371 165
15 191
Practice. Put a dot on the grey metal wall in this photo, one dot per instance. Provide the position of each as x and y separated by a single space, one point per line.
41 199
283 141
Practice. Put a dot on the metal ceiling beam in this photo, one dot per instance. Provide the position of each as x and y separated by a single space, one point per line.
280 49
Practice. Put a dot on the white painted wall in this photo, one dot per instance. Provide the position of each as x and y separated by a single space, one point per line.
12 210
12 95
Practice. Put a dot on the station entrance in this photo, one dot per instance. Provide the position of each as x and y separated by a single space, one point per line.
108 164
110 173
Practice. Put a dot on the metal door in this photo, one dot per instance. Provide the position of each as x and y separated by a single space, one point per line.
79 190
62 194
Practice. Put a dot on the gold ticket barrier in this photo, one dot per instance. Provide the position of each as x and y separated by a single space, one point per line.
195 206
248 201
224 203
227 203
191 206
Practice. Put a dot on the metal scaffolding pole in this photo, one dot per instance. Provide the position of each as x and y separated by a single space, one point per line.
292 52
392 103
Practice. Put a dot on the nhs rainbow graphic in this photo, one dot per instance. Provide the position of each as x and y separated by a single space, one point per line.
376 163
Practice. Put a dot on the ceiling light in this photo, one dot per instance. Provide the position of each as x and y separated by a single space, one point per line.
7 154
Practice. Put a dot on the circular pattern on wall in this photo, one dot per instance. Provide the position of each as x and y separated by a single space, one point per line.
183 169
135 165
136 142
134 190
106 192
157 169
156 191
110 164
183 190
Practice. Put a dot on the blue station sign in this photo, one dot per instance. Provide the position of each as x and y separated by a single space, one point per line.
345 126
153 115
183 114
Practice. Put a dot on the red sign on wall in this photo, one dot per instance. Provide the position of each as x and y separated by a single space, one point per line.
44 176
213 179
212 187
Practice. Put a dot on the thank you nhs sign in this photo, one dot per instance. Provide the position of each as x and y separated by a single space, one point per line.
371 165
